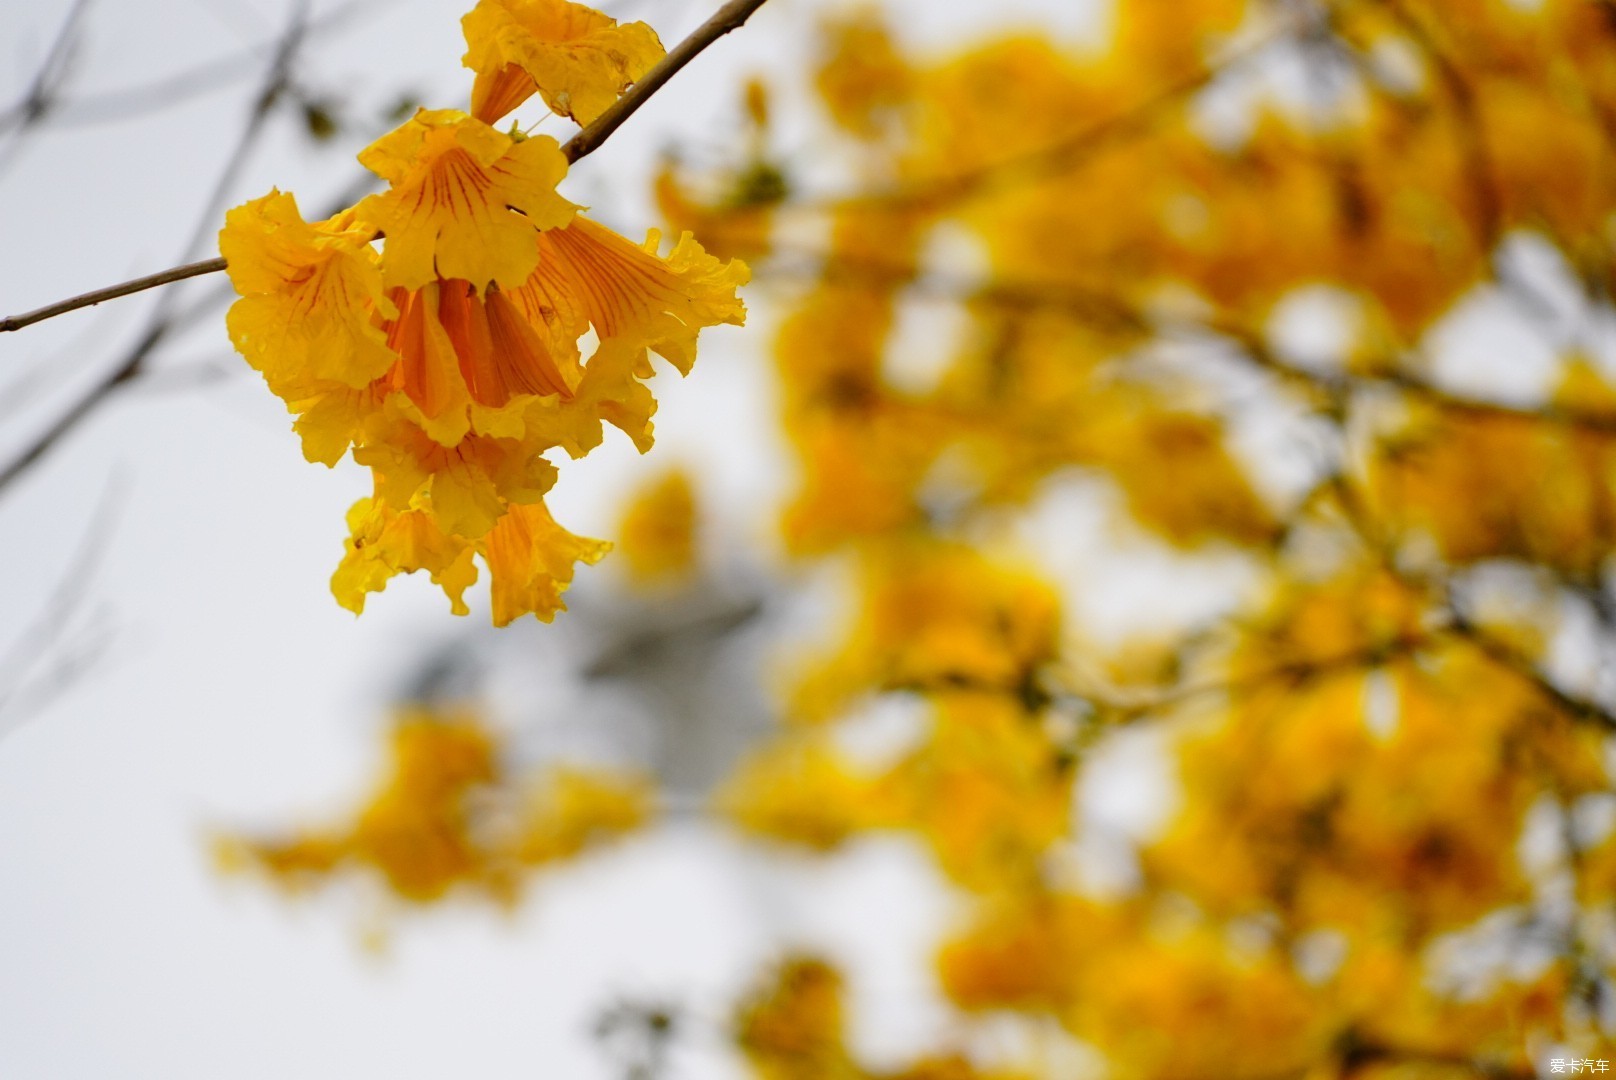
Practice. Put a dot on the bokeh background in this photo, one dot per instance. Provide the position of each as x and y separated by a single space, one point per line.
208 680
173 667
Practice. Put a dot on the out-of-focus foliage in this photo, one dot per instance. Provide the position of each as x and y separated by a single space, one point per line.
792 1027
1369 747
447 815
1390 851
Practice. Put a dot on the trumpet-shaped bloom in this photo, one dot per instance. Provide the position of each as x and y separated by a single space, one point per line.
311 296
531 561
465 200
574 57
467 487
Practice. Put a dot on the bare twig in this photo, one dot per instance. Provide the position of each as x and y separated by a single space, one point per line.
111 292
730 17
61 608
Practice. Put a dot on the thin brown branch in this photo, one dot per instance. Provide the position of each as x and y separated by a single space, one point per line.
732 16
1506 656
111 292
133 366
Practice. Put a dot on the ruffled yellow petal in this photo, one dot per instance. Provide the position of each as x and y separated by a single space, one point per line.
464 488
609 392
338 417
383 543
628 292
311 297
576 58
531 561
466 201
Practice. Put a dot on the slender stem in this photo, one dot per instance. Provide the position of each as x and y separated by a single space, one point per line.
111 292
729 17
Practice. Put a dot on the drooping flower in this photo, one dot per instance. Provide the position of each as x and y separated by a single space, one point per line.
449 360
311 297
576 58
464 200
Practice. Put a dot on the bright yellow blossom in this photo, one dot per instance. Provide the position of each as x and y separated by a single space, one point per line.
312 301
573 56
464 201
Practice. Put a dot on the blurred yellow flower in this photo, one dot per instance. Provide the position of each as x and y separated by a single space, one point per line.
657 534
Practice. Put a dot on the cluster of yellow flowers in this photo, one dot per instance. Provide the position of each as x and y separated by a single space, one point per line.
451 359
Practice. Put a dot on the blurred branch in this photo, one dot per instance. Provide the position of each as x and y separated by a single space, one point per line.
730 17
131 101
163 321
20 694
638 1035
1106 311
712 621
1459 624
1479 169
1505 655
1118 709
1057 157
40 97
